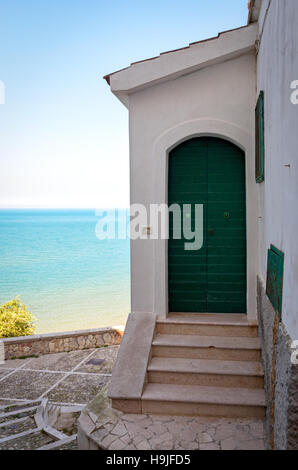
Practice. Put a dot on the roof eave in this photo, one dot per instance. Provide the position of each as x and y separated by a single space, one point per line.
174 64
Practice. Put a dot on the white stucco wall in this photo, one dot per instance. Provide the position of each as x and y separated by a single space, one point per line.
218 100
277 67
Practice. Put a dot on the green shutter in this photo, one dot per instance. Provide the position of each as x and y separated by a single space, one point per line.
274 284
260 147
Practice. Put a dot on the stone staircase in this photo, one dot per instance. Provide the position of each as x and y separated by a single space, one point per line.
204 365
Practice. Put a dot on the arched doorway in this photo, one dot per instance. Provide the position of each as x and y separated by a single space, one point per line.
209 171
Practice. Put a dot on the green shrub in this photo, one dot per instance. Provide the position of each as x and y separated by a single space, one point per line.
15 319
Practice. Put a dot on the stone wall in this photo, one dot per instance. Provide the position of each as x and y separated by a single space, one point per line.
36 345
281 377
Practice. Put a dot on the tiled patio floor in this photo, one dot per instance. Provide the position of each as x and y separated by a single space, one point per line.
66 378
148 432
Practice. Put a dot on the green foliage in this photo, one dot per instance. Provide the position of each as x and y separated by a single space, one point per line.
15 319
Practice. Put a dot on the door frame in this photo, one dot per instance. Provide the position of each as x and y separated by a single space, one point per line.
161 149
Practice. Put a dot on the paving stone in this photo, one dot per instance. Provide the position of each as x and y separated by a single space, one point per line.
104 421
134 429
107 441
108 355
167 436
240 422
158 428
143 445
32 441
87 422
4 402
64 361
132 418
188 434
147 422
117 445
198 428
168 445
109 426
210 446
18 427
189 445
138 439
241 426
242 435
146 433
174 428
93 416
126 439
211 430
130 447
154 441
5 419
16 408
73 445
4 372
27 385
15 363
164 419
184 419
254 444
77 389
257 429
228 444
205 437
119 429
100 434
224 430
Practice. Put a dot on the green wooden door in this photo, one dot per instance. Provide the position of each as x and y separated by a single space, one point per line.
209 171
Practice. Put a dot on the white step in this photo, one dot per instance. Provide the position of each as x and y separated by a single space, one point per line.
207 347
229 325
203 401
220 318
237 374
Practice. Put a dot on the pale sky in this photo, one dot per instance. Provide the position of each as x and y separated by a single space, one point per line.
63 135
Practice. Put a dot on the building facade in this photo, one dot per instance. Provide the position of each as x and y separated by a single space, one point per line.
223 109
277 68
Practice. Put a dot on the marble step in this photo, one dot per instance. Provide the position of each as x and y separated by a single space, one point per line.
207 347
194 400
229 325
231 374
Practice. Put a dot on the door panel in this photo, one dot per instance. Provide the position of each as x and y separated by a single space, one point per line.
187 270
209 171
226 182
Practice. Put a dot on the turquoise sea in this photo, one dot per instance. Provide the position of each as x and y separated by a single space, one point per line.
68 278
